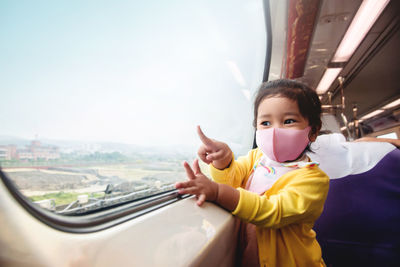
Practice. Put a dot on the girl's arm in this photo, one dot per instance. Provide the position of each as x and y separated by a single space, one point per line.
300 200
237 173
205 189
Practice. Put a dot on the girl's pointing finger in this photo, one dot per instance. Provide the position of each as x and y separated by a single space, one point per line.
204 139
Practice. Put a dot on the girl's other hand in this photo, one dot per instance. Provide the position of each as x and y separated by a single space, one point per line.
198 184
213 151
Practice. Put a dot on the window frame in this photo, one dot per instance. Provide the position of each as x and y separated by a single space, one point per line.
93 221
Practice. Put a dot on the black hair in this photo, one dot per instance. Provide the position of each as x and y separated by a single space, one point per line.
307 100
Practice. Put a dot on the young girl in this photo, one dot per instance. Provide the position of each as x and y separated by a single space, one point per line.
275 188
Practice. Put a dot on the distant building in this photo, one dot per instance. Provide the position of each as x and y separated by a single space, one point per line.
8 152
36 151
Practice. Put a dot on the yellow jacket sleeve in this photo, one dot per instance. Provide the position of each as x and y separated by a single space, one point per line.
297 197
238 171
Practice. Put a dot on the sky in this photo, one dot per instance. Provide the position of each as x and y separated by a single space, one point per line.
138 72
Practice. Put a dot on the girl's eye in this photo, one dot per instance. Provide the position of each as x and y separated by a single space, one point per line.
266 123
289 121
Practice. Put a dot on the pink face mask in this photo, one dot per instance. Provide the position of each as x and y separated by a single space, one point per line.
281 144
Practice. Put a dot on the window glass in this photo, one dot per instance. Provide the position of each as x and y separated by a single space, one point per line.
100 99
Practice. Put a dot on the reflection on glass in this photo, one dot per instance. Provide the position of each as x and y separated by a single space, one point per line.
102 99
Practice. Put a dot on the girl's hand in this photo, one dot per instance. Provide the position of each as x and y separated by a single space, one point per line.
213 151
198 184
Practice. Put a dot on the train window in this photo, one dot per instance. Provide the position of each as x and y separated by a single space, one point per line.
100 100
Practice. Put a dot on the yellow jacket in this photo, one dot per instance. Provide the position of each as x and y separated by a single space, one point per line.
284 215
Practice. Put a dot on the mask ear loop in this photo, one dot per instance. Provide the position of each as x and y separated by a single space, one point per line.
312 134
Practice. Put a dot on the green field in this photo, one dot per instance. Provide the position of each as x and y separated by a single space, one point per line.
63 198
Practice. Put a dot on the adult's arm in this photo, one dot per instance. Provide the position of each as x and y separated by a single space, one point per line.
395 142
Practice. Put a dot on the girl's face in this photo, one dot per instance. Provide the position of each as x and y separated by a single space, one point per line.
280 112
